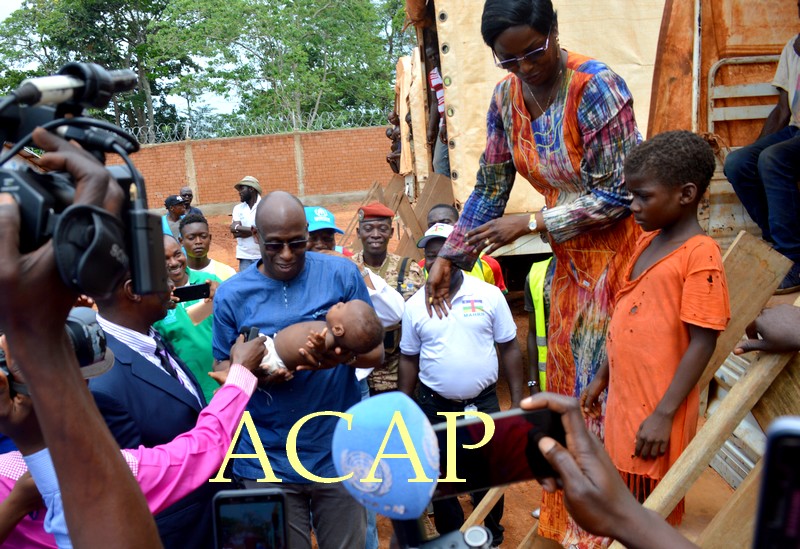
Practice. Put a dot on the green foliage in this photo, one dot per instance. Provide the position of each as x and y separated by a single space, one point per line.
290 59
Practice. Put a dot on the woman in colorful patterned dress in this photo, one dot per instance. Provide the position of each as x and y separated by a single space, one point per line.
565 122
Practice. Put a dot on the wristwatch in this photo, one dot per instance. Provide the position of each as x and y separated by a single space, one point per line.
532 223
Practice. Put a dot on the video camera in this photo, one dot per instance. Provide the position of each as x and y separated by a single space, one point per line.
89 342
94 249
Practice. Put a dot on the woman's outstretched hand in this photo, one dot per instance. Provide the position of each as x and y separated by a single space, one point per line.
498 232
437 287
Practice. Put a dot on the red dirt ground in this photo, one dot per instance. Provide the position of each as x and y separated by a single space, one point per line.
705 498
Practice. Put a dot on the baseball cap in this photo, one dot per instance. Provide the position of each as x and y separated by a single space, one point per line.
319 218
249 181
356 445
173 200
438 230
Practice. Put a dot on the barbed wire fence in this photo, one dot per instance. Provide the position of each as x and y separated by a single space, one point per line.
216 127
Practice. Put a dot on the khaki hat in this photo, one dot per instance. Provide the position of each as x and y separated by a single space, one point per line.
249 181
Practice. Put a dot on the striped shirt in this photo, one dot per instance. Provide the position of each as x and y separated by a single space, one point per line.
145 345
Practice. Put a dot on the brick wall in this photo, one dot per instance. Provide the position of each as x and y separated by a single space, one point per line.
334 161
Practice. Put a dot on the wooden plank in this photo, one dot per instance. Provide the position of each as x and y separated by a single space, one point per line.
734 524
530 538
438 190
379 195
409 219
408 248
396 185
783 396
742 397
735 406
753 271
483 508
393 200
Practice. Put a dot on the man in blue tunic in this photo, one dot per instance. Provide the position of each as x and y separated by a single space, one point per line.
292 285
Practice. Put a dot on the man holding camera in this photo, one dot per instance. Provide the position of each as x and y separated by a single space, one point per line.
289 286
94 478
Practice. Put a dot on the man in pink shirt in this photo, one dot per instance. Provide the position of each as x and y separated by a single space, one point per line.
165 473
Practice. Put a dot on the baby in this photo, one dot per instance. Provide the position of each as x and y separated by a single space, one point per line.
351 327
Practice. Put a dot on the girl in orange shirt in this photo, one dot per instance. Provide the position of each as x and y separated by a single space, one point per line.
672 306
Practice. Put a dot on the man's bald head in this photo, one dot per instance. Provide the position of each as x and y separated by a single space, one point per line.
278 208
282 233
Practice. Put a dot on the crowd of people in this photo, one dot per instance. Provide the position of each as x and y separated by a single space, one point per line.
630 264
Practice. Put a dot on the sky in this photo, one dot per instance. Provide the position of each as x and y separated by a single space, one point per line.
8 6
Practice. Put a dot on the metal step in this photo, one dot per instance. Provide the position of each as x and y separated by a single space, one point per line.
739 454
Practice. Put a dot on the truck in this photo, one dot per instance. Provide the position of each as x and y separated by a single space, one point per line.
703 65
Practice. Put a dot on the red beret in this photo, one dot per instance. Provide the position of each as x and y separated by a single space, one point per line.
374 210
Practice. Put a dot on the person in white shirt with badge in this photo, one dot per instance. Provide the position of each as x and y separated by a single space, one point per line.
455 361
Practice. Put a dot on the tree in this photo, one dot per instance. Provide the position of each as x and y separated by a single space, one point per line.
400 39
290 60
112 33
295 59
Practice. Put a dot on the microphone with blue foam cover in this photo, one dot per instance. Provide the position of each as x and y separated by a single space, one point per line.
391 429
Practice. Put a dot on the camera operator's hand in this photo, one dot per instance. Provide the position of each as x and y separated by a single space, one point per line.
34 303
17 418
594 493
34 300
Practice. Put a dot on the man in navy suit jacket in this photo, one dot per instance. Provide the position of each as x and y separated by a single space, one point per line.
149 397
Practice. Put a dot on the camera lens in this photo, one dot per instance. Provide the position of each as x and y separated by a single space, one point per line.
86 335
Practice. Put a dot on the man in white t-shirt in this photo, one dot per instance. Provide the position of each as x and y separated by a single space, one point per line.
765 174
455 360
244 221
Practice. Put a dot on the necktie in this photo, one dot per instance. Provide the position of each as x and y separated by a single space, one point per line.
163 356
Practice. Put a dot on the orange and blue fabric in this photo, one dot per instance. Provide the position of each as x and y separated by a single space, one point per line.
573 155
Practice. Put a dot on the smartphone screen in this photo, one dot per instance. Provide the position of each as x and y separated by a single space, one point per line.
511 455
250 519
778 522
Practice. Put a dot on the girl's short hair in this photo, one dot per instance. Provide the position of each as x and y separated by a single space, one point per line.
674 158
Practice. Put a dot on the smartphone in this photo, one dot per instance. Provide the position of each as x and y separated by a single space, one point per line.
249 332
511 455
192 292
250 518
778 519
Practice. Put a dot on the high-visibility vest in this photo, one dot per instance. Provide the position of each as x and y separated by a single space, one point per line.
536 279
477 271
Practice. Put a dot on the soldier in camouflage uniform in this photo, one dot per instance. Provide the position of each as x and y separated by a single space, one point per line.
401 273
